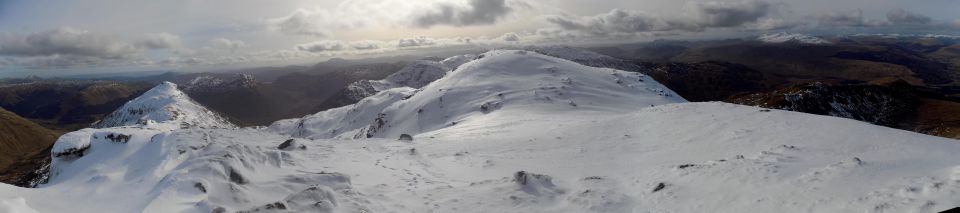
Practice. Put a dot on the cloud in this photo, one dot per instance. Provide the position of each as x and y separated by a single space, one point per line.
510 37
68 42
476 12
228 44
700 16
322 46
159 41
615 21
852 18
767 24
901 16
731 14
366 45
855 18
416 42
301 22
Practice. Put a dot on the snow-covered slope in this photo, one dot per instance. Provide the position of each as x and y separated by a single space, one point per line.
502 79
163 104
784 37
527 155
415 75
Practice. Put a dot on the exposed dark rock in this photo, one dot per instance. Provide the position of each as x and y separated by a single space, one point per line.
72 153
660 186
236 177
406 137
200 187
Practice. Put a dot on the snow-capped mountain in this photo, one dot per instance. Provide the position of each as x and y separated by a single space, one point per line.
500 80
415 75
164 104
783 37
212 84
533 133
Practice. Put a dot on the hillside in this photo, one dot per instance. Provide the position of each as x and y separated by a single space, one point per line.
21 139
67 105
626 144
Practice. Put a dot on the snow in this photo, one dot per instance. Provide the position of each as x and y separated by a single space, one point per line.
784 37
15 205
415 75
164 104
502 79
612 152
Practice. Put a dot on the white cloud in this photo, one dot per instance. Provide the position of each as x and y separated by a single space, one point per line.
227 44
510 37
301 22
367 45
416 42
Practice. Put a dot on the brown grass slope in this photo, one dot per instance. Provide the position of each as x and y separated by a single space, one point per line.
21 138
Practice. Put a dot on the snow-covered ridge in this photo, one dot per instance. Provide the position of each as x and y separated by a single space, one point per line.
211 84
500 79
415 75
784 37
166 105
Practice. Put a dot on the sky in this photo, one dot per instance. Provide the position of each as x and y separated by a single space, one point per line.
51 37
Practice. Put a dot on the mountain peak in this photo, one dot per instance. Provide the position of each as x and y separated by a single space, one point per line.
500 80
164 104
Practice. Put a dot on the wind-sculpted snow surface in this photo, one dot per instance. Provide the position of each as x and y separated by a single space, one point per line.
503 79
609 152
164 104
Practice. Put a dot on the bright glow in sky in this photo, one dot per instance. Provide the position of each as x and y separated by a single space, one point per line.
69 35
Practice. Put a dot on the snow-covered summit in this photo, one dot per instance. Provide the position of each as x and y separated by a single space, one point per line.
783 37
414 75
164 104
499 80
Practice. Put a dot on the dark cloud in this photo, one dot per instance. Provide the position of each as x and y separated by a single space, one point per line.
615 21
477 12
159 41
901 16
67 42
322 46
702 16
851 18
726 14
855 18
